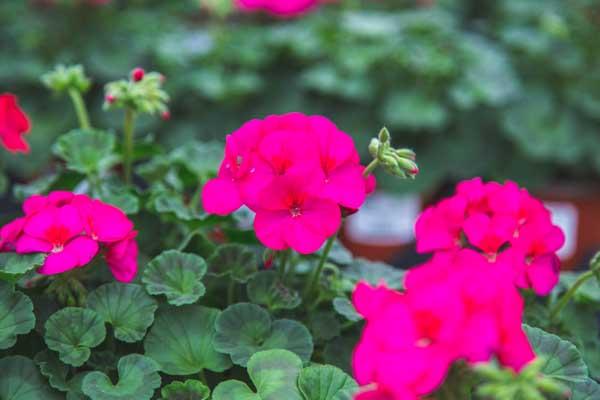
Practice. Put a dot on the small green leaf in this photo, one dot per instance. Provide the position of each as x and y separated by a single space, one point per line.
16 315
87 151
265 288
40 185
119 196
51 367
274 374
14 265
72 332
189 390
138 378
344 307
324 325
245 329
126 307
201 159
21 380
177 275
181 341
374 273
234 260
563 361
326 382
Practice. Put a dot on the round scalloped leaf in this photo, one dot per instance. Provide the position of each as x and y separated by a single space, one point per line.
13 265
374 273
563 361
126 307
274 374
326 382
181 341
265 288
189 390
72 332
245 329
234 260
87 151
16 315
588 389
345 308
138 379
21 380
177 275
51 367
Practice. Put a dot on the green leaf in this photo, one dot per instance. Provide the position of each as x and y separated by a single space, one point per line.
588 292
138 378
266 289
126 307
326 382
234 260
40 185
589 389
345 308
177 275
72 332
16 315
119 196
274 374
21 380
201 159
181 341
374 273
563 361
58 374
244 329
13 265
87 151
414 110
189 390
324 325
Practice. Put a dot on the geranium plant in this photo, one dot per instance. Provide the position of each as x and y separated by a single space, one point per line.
132 272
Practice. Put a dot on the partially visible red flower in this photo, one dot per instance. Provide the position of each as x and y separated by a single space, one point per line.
14 124
279 8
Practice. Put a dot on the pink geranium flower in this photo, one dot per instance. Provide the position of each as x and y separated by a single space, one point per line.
499 221
292 215
280 8
57 231
71 229
14 124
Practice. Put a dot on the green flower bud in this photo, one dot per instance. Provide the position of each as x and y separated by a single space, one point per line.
384 135
141 93
65 78
374 147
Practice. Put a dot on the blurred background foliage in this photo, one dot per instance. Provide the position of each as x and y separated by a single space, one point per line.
498 88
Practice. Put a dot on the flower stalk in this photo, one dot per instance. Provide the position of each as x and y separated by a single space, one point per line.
128 144
313 282
80 109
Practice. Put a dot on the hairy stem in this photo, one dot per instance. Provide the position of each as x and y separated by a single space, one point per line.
313 282
564 300
80 109
128 130
370 168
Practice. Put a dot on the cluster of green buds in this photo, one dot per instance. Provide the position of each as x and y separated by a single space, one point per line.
529 384
398 162
142 93
63 79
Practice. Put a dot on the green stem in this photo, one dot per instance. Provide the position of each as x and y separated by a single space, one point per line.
370 168
202 377
128 129
313 282
231 292
285 256
187 239
197 197
564 300
80 109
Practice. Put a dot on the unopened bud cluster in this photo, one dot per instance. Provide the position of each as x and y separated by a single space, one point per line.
529 384
65 78
398 162
142 93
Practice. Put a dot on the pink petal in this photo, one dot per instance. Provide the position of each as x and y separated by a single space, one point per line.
29 244
38 224
34 204
303 237
220 197
322 216
270 228
57 263
346 186
68 216
109 224
543 273
84 248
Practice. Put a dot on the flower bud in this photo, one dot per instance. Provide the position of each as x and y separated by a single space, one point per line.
406 153
65 78
138 74
384 135
374 147
110 98
166 115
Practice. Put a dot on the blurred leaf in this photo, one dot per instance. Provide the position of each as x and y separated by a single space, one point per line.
344 307
21 380
245 329
13 265
414 110
266 289
374 273
90 152
200 158
188 390
126 307
325 382
38 186
177 275
324 326
233 260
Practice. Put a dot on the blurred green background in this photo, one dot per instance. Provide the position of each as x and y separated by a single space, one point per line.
497 88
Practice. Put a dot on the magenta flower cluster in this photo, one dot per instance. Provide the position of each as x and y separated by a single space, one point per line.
488 240
297 173
504 223
72 229
279 8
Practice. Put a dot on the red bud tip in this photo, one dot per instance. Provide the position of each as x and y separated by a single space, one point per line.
162 78
137 74
415 171
110 98
166 115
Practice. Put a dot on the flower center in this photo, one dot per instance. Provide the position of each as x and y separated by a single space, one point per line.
57 235
295 211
